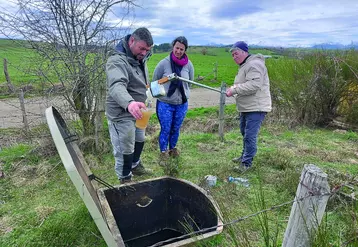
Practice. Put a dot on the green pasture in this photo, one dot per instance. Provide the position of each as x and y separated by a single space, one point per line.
20 59
23 62
204 65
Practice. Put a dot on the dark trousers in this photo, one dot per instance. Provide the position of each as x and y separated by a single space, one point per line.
250 123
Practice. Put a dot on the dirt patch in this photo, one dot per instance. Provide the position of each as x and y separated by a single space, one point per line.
208 125
5 225
11 114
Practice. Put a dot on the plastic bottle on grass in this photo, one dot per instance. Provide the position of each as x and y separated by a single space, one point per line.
242 181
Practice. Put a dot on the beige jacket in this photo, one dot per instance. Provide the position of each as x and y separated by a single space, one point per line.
252 86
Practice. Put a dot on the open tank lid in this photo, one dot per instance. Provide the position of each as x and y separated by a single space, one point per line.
79 172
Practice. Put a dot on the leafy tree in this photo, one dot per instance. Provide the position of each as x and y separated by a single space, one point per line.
165 47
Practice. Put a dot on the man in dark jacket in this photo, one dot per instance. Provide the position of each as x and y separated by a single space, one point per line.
127 77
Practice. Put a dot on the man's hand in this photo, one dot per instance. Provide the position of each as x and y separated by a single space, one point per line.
230 91
134 109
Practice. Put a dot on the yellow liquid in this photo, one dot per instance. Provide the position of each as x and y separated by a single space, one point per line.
143 122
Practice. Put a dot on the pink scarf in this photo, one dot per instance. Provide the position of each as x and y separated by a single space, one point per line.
182 61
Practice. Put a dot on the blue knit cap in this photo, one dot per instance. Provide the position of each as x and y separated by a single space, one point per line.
240 45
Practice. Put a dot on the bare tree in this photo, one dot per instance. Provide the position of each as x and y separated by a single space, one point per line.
71 41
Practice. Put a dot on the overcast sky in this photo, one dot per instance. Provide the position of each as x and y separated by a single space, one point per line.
270 22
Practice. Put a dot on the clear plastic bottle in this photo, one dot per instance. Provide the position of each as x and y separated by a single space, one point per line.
242 181
149 95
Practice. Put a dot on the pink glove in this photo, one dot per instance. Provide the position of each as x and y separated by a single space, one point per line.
134 109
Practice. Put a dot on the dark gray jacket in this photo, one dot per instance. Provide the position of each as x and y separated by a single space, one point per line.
126 81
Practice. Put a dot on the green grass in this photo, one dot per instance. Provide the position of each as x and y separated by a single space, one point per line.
40 206
204 64
22 60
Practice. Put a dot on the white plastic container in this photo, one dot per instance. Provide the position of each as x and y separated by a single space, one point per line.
210 180
157 89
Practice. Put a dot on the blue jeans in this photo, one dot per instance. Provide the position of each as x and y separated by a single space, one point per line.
250 123
170 118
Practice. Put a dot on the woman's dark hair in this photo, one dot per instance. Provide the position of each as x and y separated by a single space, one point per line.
181 39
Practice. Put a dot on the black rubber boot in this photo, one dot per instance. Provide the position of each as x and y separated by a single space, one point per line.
137 166
138 148
127 164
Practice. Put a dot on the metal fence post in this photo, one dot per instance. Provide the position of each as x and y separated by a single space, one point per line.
221 111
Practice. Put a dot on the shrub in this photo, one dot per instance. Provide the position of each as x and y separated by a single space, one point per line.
352 115
204 51
309 90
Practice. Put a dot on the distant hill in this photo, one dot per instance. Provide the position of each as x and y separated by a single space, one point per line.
335 46
216 45
161 48
323 46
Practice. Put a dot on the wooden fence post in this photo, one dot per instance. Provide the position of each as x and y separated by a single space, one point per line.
221 111
216 71
11 87
101 100
306 214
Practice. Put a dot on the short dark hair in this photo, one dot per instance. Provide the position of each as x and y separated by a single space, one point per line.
182 40
143 34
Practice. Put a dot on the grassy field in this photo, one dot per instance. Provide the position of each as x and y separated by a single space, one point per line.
40 206
204 65
21 60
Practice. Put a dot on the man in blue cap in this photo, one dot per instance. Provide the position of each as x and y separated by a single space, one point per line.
253 99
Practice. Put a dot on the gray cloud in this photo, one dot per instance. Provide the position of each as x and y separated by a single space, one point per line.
233 9
274 22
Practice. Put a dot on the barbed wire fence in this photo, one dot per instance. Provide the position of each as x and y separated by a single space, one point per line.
12 114
28 112
213 73
24 111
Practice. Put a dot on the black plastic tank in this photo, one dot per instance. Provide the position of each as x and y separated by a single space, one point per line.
156 212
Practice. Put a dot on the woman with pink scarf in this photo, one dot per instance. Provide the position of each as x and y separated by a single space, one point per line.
172 108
